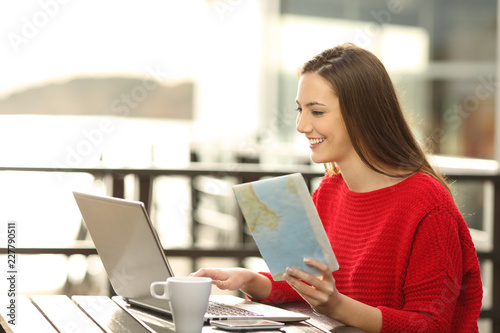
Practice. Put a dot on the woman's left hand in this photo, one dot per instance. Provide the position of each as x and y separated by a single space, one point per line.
320 292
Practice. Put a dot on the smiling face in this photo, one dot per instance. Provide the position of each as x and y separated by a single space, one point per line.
320 119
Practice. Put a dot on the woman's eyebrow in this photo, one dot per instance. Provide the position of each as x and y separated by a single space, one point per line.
311 103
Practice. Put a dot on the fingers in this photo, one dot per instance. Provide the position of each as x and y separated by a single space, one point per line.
326 274
313 289
301 281
216 275
213 273
323 268
225 279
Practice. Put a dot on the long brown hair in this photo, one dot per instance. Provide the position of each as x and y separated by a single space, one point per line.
371 111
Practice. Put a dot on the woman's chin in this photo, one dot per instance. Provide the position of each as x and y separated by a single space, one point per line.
318 160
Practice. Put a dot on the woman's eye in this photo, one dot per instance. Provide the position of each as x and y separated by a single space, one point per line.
299 109
317 113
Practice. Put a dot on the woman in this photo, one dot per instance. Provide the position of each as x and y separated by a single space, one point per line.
407 261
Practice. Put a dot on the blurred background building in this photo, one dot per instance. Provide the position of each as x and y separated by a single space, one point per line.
160 84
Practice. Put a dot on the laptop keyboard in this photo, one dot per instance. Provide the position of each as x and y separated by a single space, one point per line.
219 309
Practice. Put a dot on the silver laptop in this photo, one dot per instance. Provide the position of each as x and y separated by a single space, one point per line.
133 258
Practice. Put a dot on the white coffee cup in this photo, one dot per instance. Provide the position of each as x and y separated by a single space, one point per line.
188 298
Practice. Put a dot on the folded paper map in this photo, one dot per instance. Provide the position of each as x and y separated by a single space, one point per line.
284 222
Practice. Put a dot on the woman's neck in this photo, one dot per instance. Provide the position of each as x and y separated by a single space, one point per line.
360 178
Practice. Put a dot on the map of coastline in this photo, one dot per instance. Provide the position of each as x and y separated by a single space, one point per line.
275 214
255 211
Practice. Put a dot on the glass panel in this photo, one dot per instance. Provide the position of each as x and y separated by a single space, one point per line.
440 54
469 197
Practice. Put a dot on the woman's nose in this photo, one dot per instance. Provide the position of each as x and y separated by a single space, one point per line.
301 124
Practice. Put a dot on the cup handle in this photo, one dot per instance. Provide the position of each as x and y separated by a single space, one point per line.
164 287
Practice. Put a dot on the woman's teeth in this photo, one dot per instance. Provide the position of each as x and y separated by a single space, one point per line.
316 141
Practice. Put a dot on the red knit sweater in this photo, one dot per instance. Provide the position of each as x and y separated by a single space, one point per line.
404 249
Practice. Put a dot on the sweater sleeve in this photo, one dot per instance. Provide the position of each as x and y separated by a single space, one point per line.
434 279
282 292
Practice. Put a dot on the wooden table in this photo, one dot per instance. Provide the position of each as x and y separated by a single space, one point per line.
88 314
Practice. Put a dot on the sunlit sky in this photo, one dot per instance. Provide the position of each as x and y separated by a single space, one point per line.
46 39
219 48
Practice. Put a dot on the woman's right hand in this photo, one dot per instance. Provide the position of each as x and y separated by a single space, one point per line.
226 278
254 284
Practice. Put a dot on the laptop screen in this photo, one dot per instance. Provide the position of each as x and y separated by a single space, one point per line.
126 242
